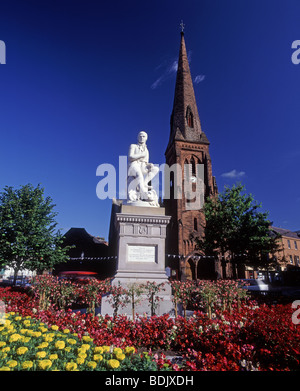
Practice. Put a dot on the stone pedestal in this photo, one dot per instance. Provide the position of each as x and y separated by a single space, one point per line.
141 235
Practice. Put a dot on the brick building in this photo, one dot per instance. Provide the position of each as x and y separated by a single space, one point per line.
290 243
188 147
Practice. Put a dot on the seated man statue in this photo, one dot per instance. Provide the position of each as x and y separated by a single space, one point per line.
140 172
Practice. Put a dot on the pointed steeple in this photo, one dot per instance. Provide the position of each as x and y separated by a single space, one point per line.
185 121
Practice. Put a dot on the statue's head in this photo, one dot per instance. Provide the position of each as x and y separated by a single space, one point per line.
142 137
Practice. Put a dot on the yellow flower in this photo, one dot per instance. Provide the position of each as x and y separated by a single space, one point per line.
27 364
68 349
82 355
18 317
14 337
71 366
85 346
98 349
43 345
4 369
113 363
118 350
26 322
12 313
12 363
98 357
41 354
87 338
6 349
37 334
2 343
106 349
22 350
60 344
66 331
80 360
53 357
45 364
47 338
120 356
129 349
71 341
54 327
92 364
43 329
26 339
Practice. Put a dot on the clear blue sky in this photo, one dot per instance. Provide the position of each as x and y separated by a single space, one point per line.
83 77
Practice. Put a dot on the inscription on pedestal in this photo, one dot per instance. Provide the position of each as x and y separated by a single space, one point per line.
141 254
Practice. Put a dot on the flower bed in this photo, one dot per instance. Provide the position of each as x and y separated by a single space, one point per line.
243 337
28 344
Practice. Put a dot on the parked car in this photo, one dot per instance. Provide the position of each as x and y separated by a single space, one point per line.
256 285
81 277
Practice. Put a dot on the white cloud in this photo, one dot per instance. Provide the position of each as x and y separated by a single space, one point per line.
199 78
170 69
233 174
157 83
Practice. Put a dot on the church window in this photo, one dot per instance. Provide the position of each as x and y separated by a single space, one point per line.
189 117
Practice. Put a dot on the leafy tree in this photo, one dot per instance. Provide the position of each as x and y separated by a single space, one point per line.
28 239
236 226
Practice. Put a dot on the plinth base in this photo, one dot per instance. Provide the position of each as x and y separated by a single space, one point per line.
141 233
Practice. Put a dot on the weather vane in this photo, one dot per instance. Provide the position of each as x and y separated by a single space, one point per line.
182 25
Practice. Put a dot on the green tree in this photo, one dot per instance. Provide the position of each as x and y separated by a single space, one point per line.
236 226
28 236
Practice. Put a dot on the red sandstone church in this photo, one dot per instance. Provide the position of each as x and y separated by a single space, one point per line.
188 144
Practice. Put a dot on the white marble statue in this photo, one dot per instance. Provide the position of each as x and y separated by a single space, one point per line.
140 173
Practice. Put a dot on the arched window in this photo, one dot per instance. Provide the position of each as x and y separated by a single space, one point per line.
189 117
190 120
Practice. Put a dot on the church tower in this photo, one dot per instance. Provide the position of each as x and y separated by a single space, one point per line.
188 148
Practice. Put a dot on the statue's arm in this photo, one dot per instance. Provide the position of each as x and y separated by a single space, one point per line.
133 155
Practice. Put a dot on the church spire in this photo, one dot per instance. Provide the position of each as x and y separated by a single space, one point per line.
185 121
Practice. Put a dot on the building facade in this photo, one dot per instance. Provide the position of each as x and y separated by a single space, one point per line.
290 243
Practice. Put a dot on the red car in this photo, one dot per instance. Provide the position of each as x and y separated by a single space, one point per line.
81 277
